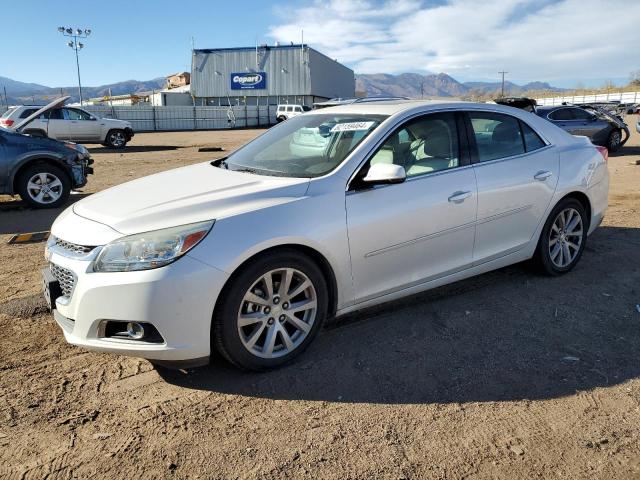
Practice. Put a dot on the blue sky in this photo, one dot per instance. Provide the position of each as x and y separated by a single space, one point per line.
564 42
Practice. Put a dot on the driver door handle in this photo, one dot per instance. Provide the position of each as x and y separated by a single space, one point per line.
459 197
542 175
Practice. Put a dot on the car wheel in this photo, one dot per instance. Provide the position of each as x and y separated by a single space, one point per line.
44 186
116 139
614 141
563 238
270 311
280 119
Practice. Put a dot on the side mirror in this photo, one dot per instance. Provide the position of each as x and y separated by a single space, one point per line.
385 173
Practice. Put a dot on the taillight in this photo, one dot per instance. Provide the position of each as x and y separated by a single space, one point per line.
604 152
8 123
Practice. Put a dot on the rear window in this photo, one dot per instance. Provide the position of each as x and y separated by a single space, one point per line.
8 112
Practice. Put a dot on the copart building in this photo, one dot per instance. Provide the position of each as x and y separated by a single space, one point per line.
267 75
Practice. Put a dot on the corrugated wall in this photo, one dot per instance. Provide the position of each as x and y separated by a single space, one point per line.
286 73
329 78
289 72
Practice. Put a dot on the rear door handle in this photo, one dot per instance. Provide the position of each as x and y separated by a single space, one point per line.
459 197
542 175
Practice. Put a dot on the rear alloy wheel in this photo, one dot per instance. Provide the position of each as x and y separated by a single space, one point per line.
563 238
44 186
615 139
271 312
116 139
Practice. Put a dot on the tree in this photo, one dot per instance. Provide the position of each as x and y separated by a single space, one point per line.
635 79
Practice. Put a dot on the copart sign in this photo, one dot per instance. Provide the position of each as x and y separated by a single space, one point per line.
249 81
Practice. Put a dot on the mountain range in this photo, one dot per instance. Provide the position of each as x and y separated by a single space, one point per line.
412 85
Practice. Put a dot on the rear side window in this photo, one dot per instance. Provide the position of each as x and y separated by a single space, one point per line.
532 140
52 115
561 114
497 135
28 111
580 114
289 109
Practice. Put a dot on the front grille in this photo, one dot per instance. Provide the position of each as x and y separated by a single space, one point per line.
66 278
72 247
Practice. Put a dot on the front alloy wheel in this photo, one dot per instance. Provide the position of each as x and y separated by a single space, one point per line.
277 313
116 139
270 311
44 186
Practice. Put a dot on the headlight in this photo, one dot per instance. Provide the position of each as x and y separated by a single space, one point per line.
77 147
145 251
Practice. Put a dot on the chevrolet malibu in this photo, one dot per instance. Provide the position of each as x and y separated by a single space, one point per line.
249 254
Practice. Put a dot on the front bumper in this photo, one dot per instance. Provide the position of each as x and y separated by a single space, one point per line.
128 133
177 299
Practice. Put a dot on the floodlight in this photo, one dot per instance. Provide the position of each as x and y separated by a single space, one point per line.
70 44
61 29
87 31
69 31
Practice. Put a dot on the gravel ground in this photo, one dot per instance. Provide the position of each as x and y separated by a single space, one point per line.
506 375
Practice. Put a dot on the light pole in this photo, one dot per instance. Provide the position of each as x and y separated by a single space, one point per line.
502 89
76 46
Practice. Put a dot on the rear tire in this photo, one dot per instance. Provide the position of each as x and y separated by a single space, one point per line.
44 186
614 142
116 139
562 239
259 327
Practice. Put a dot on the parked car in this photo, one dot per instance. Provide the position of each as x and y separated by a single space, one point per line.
288 111
41 170
70 123
248 255
602 128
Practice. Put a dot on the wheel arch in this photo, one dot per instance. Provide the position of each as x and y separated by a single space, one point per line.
584 201
313 254
34 161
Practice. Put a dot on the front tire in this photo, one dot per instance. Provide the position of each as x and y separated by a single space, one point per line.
270 311
563 238
44 186
116 139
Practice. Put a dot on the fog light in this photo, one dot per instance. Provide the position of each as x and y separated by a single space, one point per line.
135 330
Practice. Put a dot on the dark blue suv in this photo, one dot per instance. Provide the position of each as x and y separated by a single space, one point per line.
41 170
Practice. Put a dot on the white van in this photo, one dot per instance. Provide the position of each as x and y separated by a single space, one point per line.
288 111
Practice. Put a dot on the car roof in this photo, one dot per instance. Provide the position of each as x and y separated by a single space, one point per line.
392 107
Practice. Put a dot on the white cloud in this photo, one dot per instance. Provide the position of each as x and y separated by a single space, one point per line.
532 39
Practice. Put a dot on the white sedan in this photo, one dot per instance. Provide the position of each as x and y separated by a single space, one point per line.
250 254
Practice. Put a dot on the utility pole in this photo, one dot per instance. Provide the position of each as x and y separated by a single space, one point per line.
502 90
76 46
422 89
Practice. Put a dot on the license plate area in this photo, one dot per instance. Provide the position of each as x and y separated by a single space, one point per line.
50 288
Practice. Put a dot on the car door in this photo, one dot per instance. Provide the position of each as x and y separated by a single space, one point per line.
589 124
82 126
517 173
404 234
56 124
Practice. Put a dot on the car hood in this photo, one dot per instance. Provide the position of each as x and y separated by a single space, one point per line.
186 195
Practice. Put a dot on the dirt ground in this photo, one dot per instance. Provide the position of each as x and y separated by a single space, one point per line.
506 375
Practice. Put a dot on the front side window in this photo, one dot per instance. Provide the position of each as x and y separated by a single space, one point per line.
52 115
422 145
496 135
73 114
305 145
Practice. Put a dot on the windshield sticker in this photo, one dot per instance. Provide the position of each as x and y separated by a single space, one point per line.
352 126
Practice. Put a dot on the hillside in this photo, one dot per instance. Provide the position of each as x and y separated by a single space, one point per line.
414 85
21 92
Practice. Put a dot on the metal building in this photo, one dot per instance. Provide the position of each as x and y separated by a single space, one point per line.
267 75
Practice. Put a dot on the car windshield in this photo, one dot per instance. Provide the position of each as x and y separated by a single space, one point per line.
304 146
